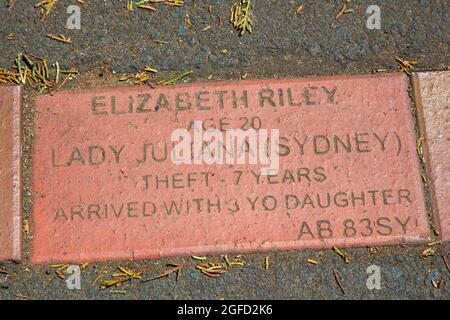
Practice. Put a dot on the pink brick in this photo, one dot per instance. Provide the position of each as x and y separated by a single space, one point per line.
10 174
97 198
432 92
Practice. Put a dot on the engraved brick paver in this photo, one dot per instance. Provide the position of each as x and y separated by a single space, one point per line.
10 174
105 186
432 91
